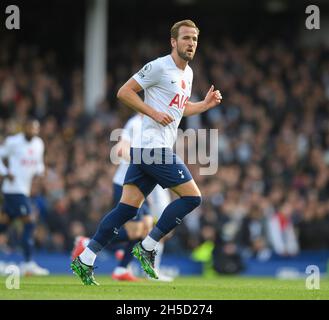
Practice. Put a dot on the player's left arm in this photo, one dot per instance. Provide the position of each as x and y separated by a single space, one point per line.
212 99
41 169
40 173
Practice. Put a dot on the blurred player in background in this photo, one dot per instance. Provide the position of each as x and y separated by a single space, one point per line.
137 228
24 157
167 85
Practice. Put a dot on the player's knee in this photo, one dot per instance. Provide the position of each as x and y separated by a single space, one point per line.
197 193
139 231
146 230
148 222
132 196
192 201
144 234
4 220
135 230
30 219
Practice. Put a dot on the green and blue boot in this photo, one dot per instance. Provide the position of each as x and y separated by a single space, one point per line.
146 258
84 272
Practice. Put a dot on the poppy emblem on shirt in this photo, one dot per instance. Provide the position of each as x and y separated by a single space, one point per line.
183 84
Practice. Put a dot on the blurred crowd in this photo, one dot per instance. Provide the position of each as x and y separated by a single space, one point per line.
271 191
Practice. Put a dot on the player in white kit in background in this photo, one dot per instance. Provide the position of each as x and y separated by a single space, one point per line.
138 228
159 198
24 155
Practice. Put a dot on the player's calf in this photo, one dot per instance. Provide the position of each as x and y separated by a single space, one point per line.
170 218
174 214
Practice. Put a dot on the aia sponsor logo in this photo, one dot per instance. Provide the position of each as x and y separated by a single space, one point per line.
179 101
28 162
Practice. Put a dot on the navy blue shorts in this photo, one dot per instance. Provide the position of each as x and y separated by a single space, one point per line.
144 210
16 205
149 167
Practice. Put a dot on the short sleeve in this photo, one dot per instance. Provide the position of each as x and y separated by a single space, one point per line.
149 75
6 148
5 151
3 169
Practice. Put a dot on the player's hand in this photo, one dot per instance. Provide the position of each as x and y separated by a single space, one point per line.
9 176
163 118
213 97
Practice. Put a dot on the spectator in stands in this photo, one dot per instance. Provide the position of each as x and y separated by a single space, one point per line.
282 235
253 237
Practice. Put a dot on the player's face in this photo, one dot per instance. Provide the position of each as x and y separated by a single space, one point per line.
32 129
186 42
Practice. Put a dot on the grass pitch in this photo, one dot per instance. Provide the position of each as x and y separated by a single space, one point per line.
218 288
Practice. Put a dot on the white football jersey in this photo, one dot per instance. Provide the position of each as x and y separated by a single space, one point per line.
166 89
131 133
25 160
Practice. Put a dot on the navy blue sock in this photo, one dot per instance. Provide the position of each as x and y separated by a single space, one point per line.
109 227
173 215
128 255
28 241
122 236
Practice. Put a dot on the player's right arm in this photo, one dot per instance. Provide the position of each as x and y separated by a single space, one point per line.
5 151
3 169
147 77
128 95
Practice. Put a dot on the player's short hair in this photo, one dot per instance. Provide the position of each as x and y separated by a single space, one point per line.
187 23
31 119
